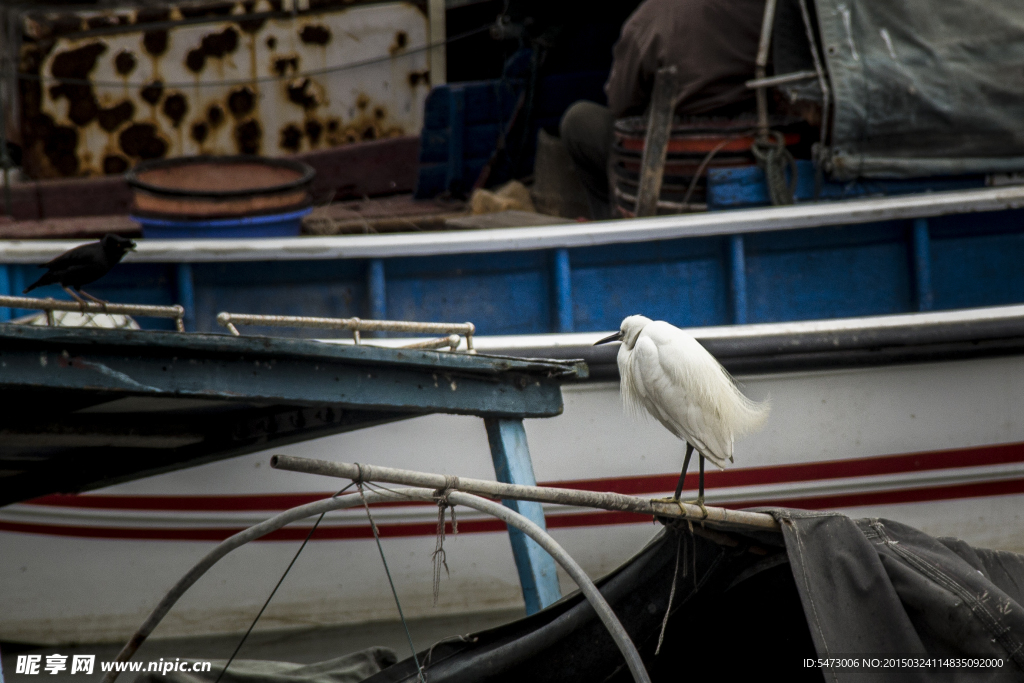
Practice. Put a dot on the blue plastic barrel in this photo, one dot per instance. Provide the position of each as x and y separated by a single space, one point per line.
286 224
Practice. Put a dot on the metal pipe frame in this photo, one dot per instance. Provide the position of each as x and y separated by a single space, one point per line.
715 517
49 305
241 538
782 79
587 587
761 64
356 325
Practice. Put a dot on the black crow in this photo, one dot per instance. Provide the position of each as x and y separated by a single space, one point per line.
83 265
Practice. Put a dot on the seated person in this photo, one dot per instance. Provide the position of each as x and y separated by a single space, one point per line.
713 45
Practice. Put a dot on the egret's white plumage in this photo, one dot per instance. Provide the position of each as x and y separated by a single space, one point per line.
667 372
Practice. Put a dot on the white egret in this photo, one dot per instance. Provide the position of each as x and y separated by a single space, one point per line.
667 372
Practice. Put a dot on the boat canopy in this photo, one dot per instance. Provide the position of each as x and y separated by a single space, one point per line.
919 88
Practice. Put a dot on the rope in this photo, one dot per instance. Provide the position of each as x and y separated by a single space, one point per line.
671 594
449 639
773 157
439 557
681 553
376 535
279 582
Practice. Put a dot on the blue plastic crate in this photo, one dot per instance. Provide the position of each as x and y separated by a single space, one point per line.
463 123
734 188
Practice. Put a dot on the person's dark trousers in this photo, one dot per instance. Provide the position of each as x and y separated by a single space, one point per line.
586 132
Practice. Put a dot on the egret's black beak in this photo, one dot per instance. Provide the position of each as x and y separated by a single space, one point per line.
610 338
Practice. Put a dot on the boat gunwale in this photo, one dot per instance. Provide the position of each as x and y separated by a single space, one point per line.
773 348
556 236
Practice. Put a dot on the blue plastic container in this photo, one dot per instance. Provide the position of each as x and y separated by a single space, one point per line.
286 224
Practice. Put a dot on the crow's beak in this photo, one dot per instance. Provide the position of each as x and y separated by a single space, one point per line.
610 338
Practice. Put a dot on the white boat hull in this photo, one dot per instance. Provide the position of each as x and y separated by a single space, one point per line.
939 446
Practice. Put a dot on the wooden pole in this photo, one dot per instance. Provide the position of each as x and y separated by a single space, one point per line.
659 130
716 516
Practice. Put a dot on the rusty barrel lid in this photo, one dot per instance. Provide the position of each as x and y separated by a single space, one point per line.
204 187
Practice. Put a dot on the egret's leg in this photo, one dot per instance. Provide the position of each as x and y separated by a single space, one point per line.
700 489
682 475
700 486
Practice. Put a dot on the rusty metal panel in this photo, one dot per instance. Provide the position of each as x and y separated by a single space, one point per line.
102 90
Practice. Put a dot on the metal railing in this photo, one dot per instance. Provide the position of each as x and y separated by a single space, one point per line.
358 325
50 305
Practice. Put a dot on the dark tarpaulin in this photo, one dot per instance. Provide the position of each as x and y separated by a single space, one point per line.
874 587
751 605
922 87
736 616
838 587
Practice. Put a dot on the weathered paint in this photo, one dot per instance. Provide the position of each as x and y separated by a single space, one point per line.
217 78
512 465
261 391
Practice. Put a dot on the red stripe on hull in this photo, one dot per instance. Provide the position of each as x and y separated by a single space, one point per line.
832 469
751 476
557 521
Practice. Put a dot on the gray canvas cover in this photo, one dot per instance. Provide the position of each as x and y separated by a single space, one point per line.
877 588
747 604
924 87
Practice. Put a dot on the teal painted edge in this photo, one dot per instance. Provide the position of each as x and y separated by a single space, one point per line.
279 348
512 465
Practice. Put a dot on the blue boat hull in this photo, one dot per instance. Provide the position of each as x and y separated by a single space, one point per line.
944 262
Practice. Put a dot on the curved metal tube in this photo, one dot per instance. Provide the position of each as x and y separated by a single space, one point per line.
240 539
587 587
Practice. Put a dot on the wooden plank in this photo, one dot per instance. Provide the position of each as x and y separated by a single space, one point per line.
512 465
503 219
659 129
78 227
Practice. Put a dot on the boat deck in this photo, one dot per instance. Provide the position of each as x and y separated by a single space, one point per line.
98 406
